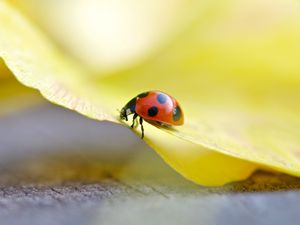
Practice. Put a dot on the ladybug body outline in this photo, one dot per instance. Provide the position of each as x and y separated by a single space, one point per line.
156 107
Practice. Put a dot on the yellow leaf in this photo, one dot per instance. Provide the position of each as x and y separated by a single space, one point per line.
236 78
13 95
38 64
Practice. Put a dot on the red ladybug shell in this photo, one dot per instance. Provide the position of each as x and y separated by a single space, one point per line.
156 106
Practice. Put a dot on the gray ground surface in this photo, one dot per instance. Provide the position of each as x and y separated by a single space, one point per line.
59 168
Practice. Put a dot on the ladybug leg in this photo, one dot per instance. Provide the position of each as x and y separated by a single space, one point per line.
142 127
133 119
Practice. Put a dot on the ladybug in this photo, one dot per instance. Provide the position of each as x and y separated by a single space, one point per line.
155 107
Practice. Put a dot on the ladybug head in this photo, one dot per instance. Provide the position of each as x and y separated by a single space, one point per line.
123 114
128 109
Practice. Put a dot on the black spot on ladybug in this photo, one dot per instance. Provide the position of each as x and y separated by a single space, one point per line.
161 98
152 111
143 95
176 113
